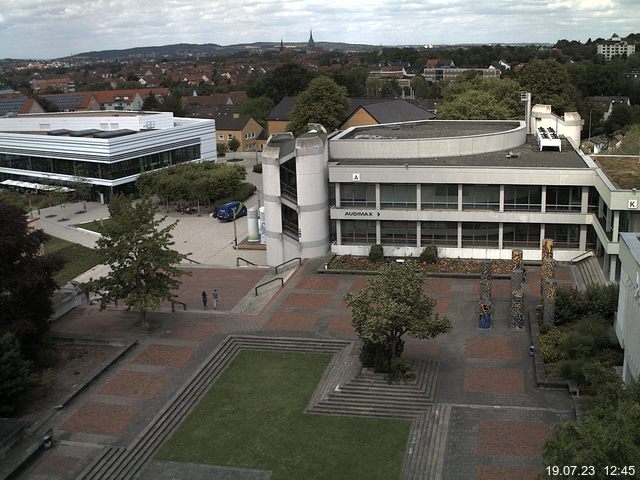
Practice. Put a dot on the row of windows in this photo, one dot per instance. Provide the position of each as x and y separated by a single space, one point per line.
474 197
108 171
445 234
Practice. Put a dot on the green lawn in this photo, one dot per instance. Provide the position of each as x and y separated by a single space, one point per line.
253 417
94 226
78 258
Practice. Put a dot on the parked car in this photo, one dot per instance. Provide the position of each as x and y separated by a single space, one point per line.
231 210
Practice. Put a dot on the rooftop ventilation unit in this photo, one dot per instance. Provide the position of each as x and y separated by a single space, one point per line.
548 138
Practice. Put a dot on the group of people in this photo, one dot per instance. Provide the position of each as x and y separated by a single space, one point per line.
215 299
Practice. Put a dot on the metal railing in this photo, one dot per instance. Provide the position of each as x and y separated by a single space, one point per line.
267 283
582 256
289 261
192 261
246 261
173 305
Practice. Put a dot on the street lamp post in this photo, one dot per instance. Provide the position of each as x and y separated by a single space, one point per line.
235 231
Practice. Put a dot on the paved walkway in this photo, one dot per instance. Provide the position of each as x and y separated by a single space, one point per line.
498 420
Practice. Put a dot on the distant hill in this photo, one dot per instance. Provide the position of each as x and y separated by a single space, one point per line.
192 50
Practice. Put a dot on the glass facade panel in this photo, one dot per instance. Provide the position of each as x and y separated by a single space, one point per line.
354 232
594 198
563 236
564 199
112 171
288 180
358 195
481 197
290 222
90 169
482 235
522 235
439 197
439 233
523 198
66 167
398 196
398 233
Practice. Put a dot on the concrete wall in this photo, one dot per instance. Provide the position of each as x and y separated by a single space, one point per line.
313 194
112 120
270 158
627 323
428 147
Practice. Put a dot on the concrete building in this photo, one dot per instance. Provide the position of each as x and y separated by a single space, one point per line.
627 323
615 47
108 150
476 189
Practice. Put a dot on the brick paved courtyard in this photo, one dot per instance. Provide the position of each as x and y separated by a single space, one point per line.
499 418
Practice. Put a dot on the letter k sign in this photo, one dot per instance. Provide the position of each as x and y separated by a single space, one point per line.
633 203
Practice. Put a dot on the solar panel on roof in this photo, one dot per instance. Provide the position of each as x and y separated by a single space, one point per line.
9 105
66 102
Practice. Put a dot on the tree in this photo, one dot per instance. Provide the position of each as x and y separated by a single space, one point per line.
630 142
288 79
14 373
233 144
150 103
477 98
324 102
259 108
143 269
391 305
353 78
26 280
549 84
606 434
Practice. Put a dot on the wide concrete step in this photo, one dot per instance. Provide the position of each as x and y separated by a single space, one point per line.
364 411
355 392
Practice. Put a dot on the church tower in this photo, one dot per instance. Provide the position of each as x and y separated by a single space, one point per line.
311 44
281 46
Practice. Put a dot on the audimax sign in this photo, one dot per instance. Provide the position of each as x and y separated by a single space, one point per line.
361 213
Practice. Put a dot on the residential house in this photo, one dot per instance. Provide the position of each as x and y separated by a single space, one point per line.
242 127
606 104
66 84
595 145
361 111
73 102
14 105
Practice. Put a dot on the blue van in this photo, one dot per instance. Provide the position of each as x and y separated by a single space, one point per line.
226 212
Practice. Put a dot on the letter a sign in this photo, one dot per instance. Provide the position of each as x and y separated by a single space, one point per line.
356 177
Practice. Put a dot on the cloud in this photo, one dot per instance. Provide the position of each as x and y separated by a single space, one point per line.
51 28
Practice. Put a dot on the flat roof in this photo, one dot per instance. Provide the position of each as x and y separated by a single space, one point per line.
527 155
624 172
430 129
91 113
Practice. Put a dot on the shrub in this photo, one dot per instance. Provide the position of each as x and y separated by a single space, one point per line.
573 370
243 192
376 253
429 254
602 300
257 168
552 345
400 371
221 149
569 305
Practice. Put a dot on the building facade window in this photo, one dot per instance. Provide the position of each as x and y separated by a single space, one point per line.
594 200
439 197
564 199
439 233
398 196
358 195
358 232
480 235
289 180
481 197
563 236
398 233
522 198
521 235
290 222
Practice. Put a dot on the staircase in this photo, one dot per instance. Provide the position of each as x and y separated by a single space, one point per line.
370 394
424 459
118 463
588 273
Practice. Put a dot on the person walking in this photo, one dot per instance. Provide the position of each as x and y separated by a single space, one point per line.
215 297
204 299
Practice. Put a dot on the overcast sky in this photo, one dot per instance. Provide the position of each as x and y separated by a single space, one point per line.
55 28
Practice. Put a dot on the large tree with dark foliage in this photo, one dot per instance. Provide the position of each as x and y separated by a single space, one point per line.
288 79
324 102
26 280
